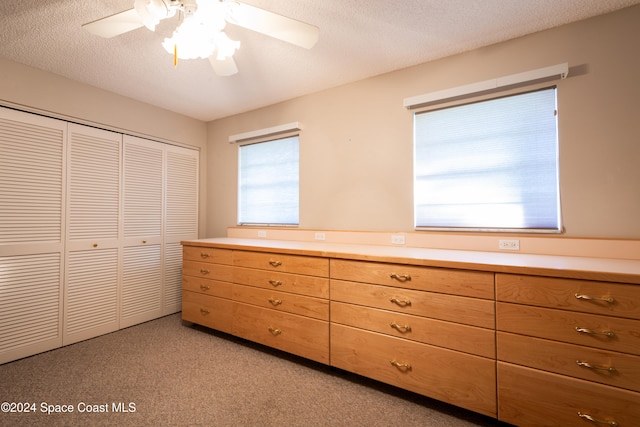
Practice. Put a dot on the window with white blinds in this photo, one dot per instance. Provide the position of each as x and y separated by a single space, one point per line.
268 182
489 165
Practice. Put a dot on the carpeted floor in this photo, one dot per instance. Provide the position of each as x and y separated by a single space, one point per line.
166 373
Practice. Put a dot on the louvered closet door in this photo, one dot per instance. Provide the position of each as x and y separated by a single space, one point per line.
181 219
142 278
93 233
32 152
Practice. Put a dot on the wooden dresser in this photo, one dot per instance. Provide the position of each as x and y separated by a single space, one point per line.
270 298
568 351
530 340
428 330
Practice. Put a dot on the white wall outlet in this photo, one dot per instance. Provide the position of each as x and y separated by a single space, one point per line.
320 236
509 244
262 233
397 239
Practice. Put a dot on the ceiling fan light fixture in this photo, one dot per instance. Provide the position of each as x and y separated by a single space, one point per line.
151 12
200 34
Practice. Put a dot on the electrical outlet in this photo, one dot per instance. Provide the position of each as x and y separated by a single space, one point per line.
397 239
320 236
262 233
509 245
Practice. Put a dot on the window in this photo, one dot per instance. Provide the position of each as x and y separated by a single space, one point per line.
268 182
489 165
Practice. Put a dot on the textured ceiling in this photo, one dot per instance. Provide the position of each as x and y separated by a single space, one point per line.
358 39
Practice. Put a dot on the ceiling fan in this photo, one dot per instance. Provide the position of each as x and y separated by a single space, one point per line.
200 28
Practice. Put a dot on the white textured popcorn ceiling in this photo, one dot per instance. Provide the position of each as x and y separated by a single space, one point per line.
358 39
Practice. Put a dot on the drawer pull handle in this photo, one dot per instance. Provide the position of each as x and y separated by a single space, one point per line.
400 302
204 271
274 331
275 282
609 334
403 366
597 421
204 287
595 367
95 245
275 263
400 328
204 255
400 277
275 302
204 311
610 300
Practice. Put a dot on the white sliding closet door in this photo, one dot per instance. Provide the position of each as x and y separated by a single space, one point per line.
142 277
93 233
181 219
32 182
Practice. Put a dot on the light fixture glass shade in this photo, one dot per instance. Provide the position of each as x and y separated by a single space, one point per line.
152 12
200 34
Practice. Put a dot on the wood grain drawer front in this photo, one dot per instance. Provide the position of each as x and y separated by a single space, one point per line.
215 288
470 311
286 282
213 255
291 303
454 336
311 266
208 271
606 367
207 310
477 284
613 299
605 332
461 379
528 397
294 334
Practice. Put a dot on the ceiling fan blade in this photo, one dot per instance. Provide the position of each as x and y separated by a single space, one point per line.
115 25
271 24
223 67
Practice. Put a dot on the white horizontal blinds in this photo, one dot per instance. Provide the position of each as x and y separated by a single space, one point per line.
269 182
182 192
31 178
91 293
489 165
141 284
94 183
29 303
172 288
143 172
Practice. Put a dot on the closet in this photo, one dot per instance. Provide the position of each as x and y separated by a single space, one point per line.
90 228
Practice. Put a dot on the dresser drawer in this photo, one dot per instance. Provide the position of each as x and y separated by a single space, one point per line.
286 282
207 310
455 336
477 284
614 299
605 367
215 288
470 311
213 255
208 271
282 301
294 334
528 397
311 266
462 379
608 333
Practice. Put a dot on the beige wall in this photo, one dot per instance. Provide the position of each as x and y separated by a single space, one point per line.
356 143
34 90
